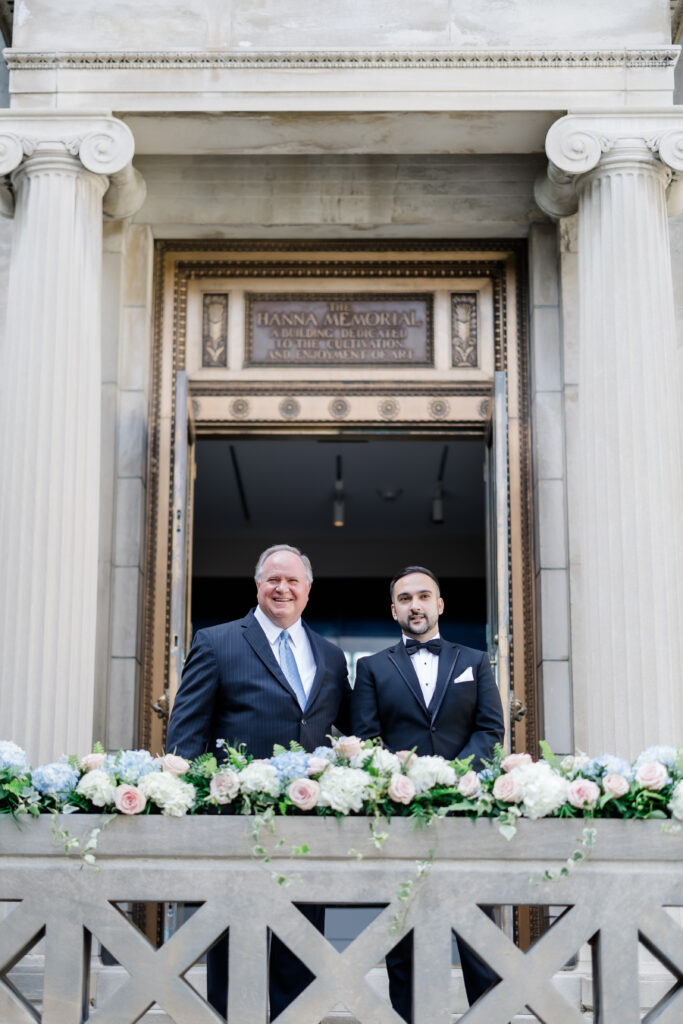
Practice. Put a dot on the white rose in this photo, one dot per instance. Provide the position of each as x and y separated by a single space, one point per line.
173 764
224 786
544 791
675 805
259 777
170 794
97 787
431 770
343 789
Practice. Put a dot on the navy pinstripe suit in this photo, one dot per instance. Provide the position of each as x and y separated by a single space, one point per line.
233 689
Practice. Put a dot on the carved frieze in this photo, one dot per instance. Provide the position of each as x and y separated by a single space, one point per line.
215 330
464 329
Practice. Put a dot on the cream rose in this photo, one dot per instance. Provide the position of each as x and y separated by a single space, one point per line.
128 799
224 786
316 765
515 761
469 785
406 757
173 764
508 788
91 762
401 789
615 785
652 775
583 793
304 793
348 746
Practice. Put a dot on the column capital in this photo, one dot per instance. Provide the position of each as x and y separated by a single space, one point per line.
103 144
577 142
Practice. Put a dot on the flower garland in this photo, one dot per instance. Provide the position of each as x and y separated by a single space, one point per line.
351 776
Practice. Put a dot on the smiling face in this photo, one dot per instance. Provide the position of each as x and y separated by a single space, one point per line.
282 591
417 605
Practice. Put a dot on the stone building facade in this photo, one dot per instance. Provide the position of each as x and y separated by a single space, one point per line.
181 175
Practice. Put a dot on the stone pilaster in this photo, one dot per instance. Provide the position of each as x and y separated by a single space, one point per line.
629 569
50 394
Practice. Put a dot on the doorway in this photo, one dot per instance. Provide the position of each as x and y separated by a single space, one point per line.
362 509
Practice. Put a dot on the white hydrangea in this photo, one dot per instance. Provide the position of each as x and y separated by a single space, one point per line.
344 789
98 787
382 760
544 791
170 794
258 777
676 802
12 756
431 770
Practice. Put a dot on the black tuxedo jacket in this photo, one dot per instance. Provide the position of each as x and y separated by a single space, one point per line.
233 689
464 716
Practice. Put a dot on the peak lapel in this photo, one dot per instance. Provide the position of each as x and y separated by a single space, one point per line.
319 658
447 659
401 660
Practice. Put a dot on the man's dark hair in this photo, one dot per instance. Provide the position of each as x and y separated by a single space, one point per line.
405 572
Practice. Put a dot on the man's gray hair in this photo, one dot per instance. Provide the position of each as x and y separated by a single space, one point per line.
258 572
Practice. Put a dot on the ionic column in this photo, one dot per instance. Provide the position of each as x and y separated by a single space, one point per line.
627 668
50 395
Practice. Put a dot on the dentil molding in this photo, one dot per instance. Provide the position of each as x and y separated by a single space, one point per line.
103 144
576 143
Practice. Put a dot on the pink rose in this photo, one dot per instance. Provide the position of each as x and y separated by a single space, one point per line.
304 793
615 785
224 786
401 789
129 799
652 775
90 762
173 764
348 746
583 793
469 785
406 757
515 761
317 765
508 788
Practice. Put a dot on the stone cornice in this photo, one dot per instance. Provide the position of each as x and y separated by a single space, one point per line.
103 144
576 143
660 56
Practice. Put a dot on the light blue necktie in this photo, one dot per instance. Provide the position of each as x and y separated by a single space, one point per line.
290 669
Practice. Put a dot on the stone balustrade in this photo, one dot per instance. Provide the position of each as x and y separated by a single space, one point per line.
615 900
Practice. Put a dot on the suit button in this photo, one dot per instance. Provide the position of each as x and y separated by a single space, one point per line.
303 721
433 728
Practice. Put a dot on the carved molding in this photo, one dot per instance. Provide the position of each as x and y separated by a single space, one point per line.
659 56
576 143
104 145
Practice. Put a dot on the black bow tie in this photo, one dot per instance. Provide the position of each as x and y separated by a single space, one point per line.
413 646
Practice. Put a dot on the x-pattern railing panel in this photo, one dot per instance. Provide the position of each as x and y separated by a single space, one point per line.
614 903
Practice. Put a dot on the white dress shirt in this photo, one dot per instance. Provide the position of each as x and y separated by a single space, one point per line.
299 644
426 665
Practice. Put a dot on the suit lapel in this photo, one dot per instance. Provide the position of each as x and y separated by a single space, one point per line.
447 659
258 642
319 659
401 660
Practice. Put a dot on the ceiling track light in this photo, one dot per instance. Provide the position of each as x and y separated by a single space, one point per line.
437 496
338 497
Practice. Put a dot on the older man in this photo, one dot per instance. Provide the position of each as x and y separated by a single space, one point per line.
261 680
438 697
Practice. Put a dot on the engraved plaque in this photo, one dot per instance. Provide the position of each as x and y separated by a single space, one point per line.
349 329
215 331
464 329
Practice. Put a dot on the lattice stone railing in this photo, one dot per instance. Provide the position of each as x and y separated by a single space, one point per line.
615 901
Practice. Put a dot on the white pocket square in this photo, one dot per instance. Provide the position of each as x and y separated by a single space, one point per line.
465 677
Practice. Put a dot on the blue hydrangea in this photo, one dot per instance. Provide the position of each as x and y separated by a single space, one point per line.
487 775
327 753
665 755
57 779
608 764
130 765
292 764
11 756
